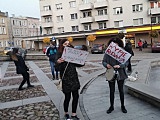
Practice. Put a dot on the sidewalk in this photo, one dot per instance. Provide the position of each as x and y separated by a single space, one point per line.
45 102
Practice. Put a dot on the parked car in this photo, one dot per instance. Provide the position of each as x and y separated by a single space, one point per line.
97 48
81 47
7 49
156 46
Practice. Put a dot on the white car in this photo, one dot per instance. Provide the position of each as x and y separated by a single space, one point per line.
7 49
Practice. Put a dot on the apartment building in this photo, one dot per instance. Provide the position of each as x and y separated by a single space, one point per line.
22 27
104 18
4 35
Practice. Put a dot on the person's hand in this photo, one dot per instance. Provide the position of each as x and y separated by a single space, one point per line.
116 66
60 60
109 66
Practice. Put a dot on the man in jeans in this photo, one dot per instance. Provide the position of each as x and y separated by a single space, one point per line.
51 53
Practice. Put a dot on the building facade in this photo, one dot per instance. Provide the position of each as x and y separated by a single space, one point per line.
103 18
4 34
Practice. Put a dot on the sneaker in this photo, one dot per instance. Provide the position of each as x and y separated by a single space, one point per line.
53 78
123 109
66 117
110 109
75 118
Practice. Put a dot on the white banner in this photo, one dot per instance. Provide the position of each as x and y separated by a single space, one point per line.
74 55
117 53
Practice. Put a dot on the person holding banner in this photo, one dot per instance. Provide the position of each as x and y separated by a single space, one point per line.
70 81
110 62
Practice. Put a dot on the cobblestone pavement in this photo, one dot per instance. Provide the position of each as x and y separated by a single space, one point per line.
36 103
43 109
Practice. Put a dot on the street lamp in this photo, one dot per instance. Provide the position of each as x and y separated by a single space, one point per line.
151 27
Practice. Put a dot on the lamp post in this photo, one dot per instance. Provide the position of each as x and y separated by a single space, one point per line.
38 38
151 27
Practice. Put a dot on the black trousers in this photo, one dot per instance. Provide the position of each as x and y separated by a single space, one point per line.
25 78
112 91
75 95
129 65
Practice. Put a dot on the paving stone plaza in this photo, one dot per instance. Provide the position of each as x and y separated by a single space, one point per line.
45 102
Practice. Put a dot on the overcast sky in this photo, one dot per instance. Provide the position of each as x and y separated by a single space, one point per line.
29 8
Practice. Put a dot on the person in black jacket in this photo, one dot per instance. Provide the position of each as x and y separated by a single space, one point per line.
128 48
70 81
21 68
51 53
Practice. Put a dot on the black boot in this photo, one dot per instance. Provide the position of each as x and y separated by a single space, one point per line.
30 86
111 108
123 109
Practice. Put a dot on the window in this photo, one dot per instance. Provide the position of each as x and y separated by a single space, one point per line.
48 19
59 6
153 19
118 10
72 4
49 30
2 20
158 19
102 12
102 25
3 30
155 4
87 27
137 7
73 16
47 8
60 18
75 28
61 30
87 14
86 1
118 23
138 21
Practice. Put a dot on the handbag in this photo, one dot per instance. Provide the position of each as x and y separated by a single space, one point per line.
111 74
59 84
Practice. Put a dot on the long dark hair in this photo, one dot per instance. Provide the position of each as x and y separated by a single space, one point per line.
14 54
61 47
116 40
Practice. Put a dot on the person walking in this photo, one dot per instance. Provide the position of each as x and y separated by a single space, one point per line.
70 81
51 53
109 62
140 44
128 48
21 68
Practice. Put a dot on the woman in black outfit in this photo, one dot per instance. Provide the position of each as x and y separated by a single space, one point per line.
107 62
21 68
70 81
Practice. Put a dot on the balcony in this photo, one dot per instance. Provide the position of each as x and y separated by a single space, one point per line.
86 6
101 18
86 20
46 13
100 4
154 11
49 24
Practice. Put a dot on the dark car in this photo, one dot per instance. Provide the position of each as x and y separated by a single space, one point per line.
97 48
81 47
156 46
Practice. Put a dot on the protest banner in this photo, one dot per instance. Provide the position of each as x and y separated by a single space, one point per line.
74 55
117 53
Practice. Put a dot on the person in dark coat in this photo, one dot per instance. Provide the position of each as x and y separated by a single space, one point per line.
128 48
109 62
21 68
51 53
70 81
